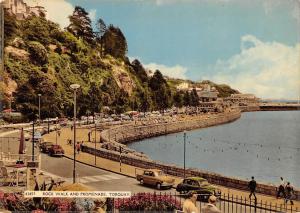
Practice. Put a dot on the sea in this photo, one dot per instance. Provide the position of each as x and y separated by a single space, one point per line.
265 145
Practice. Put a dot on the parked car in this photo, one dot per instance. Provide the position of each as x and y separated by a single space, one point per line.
198 185
155 177
45 146
56 150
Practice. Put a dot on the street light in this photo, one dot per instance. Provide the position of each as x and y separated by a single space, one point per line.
74 87
184 140
39 106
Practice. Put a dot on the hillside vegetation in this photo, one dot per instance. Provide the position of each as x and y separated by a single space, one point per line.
41 58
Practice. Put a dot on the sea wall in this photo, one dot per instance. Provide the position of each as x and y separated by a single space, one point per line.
131 132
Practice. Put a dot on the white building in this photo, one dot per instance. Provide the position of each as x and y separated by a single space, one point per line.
21 9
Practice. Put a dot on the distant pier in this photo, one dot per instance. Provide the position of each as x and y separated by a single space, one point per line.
279 106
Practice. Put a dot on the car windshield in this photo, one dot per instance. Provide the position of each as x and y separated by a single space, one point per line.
160 173
204 183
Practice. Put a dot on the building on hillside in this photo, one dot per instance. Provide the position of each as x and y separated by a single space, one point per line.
206 93
21 10
243 99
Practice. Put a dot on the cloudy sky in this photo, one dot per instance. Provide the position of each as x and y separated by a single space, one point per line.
252 45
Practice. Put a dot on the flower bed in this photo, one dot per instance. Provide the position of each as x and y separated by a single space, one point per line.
16 202
148 202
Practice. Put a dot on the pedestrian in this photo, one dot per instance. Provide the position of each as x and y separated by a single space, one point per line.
289 193
71 127
252 187
281 188
89 136
189 205
81 145
211 206
78 147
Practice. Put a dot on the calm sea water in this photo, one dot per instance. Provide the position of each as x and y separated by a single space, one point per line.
265 145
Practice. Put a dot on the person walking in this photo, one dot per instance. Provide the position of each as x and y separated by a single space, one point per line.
281 188
78 147
189 205
252 187
211 206
289 193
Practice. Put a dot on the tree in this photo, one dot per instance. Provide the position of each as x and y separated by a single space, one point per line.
80 24
161 91
101 27
178 99
145 98
26 97
186 99
114 42
140 71
194 98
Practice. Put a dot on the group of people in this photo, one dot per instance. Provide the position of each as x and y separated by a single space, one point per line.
285 190
78 145
189 205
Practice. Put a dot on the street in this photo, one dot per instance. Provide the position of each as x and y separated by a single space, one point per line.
61 167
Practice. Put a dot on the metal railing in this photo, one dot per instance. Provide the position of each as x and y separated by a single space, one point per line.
226 204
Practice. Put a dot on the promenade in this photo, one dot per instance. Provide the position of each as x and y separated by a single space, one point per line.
82 135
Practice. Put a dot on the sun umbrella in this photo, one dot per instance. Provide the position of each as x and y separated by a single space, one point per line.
22 143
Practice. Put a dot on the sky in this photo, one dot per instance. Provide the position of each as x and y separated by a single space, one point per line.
251 45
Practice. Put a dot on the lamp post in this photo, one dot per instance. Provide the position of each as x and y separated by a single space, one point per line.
95 143
184 140
39 106
33 138
74 87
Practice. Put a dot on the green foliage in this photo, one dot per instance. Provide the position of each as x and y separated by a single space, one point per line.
178 99
194 98
40 29
225 90
114 42
162 96
139 71
10 27
80 24
38 53
79 58
187 99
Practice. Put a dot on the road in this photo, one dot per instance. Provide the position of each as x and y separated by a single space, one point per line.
94 178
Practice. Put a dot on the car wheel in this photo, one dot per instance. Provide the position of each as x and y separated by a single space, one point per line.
142 182
158 186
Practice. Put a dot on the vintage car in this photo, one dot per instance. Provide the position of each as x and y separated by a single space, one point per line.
155 177
198 185
45 146
56 150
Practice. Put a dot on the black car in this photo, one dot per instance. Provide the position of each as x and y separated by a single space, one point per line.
45 146
198 185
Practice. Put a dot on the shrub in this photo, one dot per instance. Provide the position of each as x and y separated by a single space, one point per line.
38 53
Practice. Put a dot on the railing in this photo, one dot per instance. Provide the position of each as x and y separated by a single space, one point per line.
226 204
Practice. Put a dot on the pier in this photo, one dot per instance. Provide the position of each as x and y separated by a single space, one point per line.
279 106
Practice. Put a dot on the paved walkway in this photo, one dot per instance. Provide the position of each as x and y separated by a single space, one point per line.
82 135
